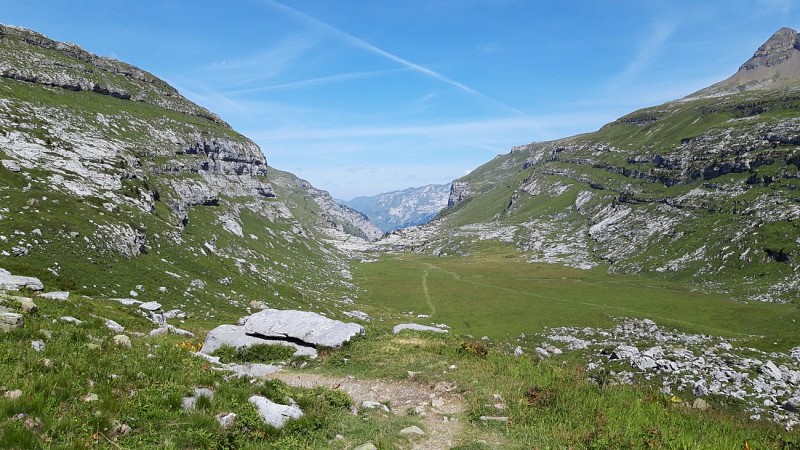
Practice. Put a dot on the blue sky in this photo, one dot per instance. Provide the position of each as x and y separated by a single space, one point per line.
366 96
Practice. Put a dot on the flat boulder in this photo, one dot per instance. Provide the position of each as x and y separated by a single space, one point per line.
416 327
308 327
273 413
9 282
10 321
236 336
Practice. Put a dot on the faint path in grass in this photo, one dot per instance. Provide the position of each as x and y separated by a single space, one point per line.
439 406
576 302
427 294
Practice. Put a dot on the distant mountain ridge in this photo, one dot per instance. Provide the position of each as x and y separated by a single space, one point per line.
401 209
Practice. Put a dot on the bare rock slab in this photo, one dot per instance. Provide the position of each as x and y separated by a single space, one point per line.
236 336
308 327
273 413
416 327
9 282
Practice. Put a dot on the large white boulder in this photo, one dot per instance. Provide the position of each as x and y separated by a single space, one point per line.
236 336
308 327
10 282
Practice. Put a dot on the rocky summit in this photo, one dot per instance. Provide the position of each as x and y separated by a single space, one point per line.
402 209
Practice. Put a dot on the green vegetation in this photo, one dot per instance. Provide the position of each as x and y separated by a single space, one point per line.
499 296
260 353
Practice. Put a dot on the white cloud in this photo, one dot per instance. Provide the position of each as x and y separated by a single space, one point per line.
647 52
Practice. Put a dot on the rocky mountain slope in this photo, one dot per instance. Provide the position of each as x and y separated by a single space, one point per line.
401 209
702 189
113 184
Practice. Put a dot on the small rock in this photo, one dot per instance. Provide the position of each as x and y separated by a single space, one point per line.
518 351
412 375
370 404
13 395
273 413
700 404
120 429
37 345
114 326
225 420
771 370
416 327
437 403
494 418
122 340
56 295
150 306
70 319
10 321
415 430
255 304
90 398
793 405
367 446
26 304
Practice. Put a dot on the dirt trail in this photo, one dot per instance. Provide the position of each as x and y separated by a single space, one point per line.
439 406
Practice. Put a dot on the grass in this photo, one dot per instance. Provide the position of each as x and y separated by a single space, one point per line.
260 353
497 295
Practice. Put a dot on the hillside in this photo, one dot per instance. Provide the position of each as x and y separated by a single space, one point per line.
114 184
703 189
390 211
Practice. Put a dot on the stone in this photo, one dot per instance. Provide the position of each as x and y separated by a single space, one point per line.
412 430
771 370
70 319
370 404
416 327
700 404
122 340
13 395
273 413
253 370
624 352
366 446
161 331
309 327
225 420
9 282
494 418
56 295
174 314
88 398
793 405
150 306
37 345
256 304
120 429
643 362
114 326
236 336
26 304
10 321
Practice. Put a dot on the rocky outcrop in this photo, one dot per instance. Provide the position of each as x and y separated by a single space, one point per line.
236 336
273 413
459 190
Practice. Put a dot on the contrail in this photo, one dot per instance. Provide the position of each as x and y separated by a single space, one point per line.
362 44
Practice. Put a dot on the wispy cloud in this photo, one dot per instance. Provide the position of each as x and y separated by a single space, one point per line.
648 51
338 78
364 45
270 62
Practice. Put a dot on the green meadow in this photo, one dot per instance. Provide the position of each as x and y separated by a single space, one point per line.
498 295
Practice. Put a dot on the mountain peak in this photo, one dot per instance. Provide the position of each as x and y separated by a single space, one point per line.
775 63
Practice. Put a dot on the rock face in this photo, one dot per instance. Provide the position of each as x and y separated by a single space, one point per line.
402 209
308 327
774 63
139 166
